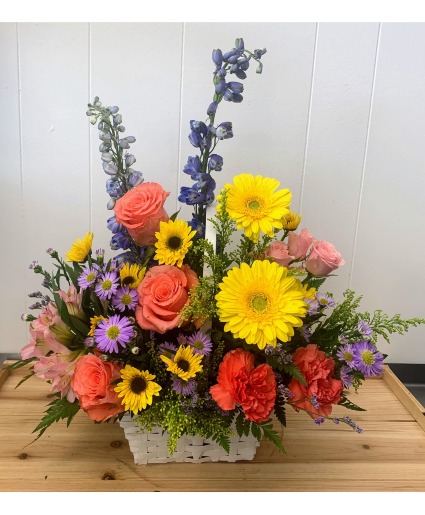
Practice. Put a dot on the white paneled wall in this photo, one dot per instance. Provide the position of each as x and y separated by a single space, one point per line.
338 115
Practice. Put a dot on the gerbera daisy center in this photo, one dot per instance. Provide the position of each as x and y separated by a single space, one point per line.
106 285
259 302
254 204
174 243
113 332
138 384
368 357
183 365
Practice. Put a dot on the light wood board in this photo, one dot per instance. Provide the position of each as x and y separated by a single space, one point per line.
389 455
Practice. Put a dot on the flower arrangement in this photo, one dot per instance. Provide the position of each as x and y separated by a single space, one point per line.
196 335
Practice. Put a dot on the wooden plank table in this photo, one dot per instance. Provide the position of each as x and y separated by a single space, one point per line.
388 456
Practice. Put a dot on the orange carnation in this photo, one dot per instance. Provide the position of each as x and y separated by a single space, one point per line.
317 370
240 383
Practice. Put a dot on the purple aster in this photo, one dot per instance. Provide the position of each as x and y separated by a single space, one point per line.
184 387
88 277
107 285
346 353
125 297
346 377
109 333
181 339
364 328
166 347
325 300
367 359
305 332
313 306
200 343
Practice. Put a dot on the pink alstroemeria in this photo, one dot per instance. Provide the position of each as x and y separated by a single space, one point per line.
73 301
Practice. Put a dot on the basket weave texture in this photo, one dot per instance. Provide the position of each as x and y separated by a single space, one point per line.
152 447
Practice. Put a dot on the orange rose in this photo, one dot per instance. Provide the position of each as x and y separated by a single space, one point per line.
91 383
318 371
240 383
162 294
141 210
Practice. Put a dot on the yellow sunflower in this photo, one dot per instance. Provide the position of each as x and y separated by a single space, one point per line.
136 388
93 323
261 304
186 363
80 248
174 240
131 275
291 221
255 205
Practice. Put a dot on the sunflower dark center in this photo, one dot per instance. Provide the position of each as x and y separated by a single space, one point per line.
138 385
128 280
183 365
174 243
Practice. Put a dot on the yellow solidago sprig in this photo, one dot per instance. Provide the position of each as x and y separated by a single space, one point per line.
261 303
80 249
255 205
173 241
137 388
185 363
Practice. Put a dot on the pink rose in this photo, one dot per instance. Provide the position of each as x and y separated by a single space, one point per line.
141 210
298 244
162 294
91 383
323 259
278 251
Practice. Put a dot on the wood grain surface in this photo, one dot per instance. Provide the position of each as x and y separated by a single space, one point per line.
389 455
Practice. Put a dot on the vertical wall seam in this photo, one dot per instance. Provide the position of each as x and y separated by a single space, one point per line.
21 150
89 129
307 132
366 147
179 149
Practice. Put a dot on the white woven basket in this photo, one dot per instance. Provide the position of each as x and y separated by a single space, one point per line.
152 447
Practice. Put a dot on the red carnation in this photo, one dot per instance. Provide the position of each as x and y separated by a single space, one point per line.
240 383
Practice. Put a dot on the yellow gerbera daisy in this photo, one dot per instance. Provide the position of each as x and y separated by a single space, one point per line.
291 221
93 323
261 304
174 240
255 205
136 388
80 248
186 363
131 275
308 293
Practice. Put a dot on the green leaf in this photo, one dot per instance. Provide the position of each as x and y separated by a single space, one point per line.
223 441
295 372
280 410
79 325
256 431
246 427
240 419
24 379
349 405
316 282
19 364
174 215
272 435
58 409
